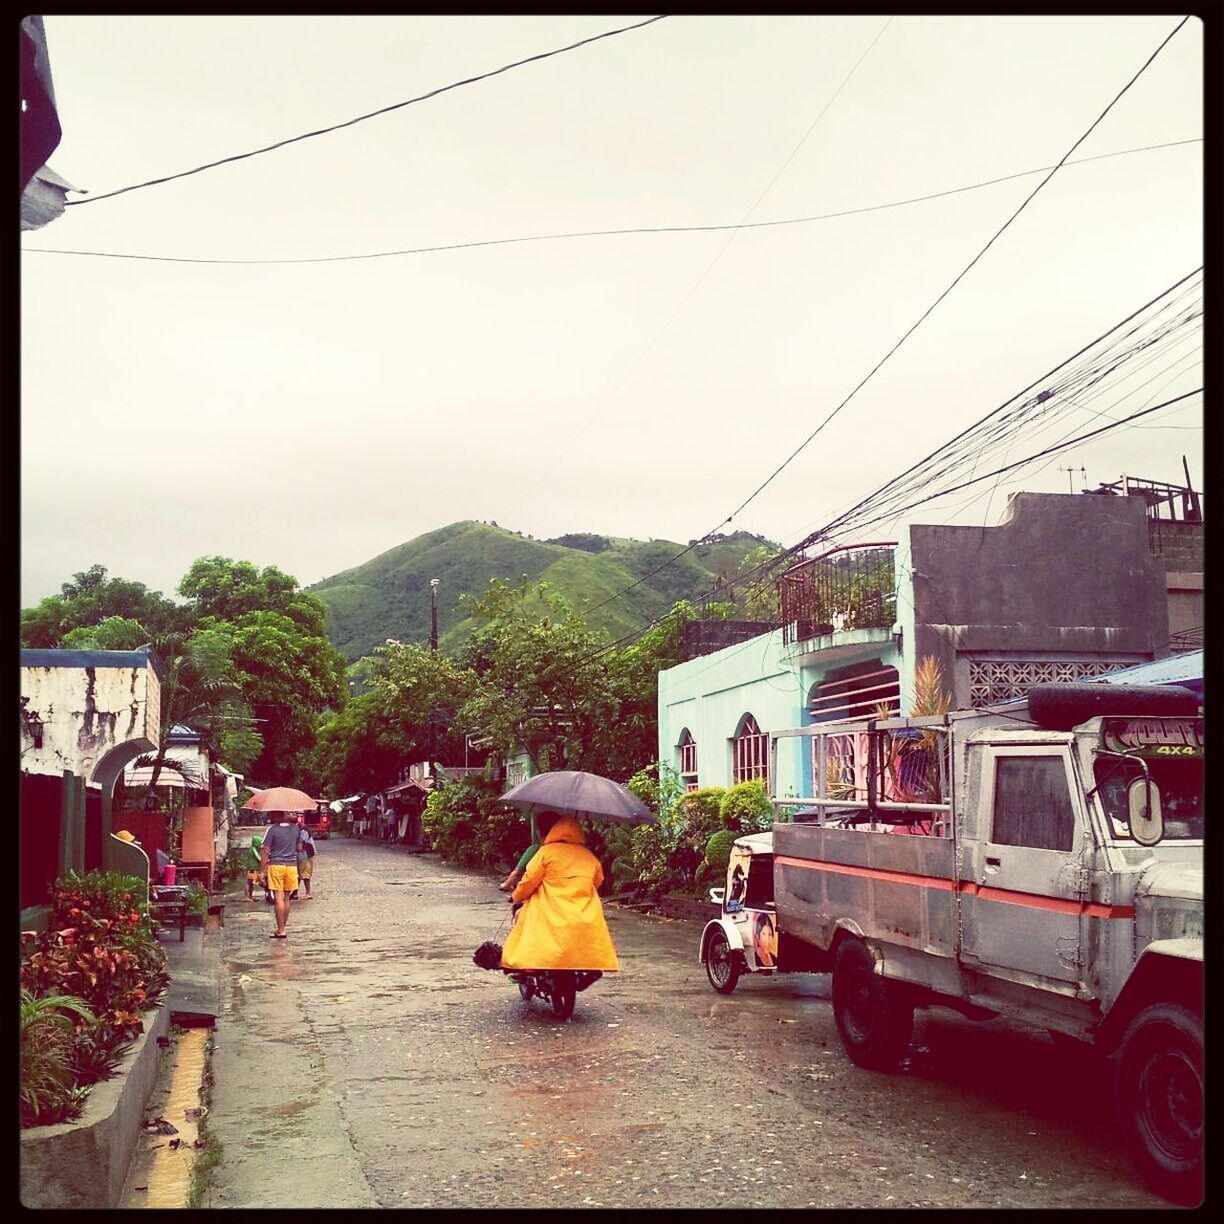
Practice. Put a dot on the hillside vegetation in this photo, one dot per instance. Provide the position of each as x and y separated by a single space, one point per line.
389 596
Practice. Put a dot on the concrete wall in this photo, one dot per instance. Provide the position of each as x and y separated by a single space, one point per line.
83 1164
1064 576
91 703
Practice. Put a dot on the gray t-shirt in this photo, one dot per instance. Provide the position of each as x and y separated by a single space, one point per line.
280 841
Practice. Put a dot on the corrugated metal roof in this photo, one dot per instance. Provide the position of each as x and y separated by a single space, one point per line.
1184 669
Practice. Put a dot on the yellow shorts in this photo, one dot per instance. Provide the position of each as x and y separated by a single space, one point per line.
282 879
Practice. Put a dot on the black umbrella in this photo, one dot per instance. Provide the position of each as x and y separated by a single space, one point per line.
585 794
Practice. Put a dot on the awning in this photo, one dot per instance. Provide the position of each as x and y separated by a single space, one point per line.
403 786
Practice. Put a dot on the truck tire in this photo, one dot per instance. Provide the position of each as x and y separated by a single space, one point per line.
1160 1099
874 1020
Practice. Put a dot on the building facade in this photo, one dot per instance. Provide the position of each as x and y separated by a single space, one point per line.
1065 587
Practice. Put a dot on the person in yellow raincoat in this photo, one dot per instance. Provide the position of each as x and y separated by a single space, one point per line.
561 924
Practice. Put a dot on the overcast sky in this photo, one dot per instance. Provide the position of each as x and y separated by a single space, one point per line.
312 416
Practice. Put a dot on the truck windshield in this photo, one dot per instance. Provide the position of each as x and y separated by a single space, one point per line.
1179 782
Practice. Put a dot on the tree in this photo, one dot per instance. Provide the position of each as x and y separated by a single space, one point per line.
228 590
350 754
418 695
634 675
543 682
288 677
88 600
114 633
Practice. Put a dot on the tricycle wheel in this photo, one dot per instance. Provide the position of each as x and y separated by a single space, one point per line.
563 994
722 965
873 1018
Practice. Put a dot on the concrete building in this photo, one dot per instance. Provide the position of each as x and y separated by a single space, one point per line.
1065 587
84 715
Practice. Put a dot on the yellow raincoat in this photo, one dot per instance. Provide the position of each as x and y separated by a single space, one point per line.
561 924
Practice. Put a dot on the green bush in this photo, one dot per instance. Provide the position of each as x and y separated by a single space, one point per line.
746 808
701 812
467 824
718 850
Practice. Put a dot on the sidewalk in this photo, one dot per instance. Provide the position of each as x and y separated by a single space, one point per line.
194 994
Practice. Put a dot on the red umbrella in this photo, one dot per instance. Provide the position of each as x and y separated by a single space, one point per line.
280 799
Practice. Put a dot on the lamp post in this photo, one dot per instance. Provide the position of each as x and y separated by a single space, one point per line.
433 632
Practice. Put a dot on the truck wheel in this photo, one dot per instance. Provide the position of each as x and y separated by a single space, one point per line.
1160 1099
722 965
874 1020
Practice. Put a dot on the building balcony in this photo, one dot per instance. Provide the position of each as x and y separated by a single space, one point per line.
841 592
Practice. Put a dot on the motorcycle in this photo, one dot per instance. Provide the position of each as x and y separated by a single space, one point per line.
559 988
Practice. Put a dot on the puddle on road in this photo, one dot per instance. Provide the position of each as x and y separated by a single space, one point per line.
289 1109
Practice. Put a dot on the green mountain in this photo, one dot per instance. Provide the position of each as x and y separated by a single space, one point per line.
389 596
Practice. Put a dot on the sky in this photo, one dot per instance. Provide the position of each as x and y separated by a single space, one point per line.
313 415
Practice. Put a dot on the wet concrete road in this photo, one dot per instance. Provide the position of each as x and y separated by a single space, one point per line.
366 1060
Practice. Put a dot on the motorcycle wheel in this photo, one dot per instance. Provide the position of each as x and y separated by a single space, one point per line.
563 994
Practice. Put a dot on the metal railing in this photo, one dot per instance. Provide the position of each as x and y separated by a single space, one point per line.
851 587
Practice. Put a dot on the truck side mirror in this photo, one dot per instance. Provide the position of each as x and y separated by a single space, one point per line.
1143 805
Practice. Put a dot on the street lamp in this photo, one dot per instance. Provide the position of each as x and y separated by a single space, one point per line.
433 632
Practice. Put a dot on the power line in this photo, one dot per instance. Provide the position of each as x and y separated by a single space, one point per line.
608 233
968 440
433 93
684 301
777 471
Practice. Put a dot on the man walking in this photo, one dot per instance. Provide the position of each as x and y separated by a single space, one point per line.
278 856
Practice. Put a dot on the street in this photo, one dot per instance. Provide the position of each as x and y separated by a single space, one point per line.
366 1061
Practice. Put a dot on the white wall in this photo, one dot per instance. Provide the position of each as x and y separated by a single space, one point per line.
87 713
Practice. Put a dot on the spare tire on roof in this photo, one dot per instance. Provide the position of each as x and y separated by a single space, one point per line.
1059 707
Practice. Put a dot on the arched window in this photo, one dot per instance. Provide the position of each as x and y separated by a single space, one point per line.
687 749
750 752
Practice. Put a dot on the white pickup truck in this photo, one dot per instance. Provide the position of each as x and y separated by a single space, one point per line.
1049 869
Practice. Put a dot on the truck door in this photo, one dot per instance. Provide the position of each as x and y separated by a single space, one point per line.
1022 884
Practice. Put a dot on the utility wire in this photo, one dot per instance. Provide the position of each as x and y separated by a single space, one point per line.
608 233
433 93
1092 127
969 440
692 290
1051 450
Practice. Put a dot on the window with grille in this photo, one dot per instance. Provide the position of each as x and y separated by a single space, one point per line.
688 753
688 760
750 753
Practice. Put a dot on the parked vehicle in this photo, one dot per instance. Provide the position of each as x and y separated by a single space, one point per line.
1050 870
318 823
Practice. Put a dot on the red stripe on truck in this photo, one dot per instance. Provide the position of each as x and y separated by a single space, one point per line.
1002 896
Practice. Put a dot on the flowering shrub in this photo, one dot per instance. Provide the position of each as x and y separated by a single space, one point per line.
100 947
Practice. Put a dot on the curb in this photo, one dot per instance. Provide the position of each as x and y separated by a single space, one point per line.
83 1164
